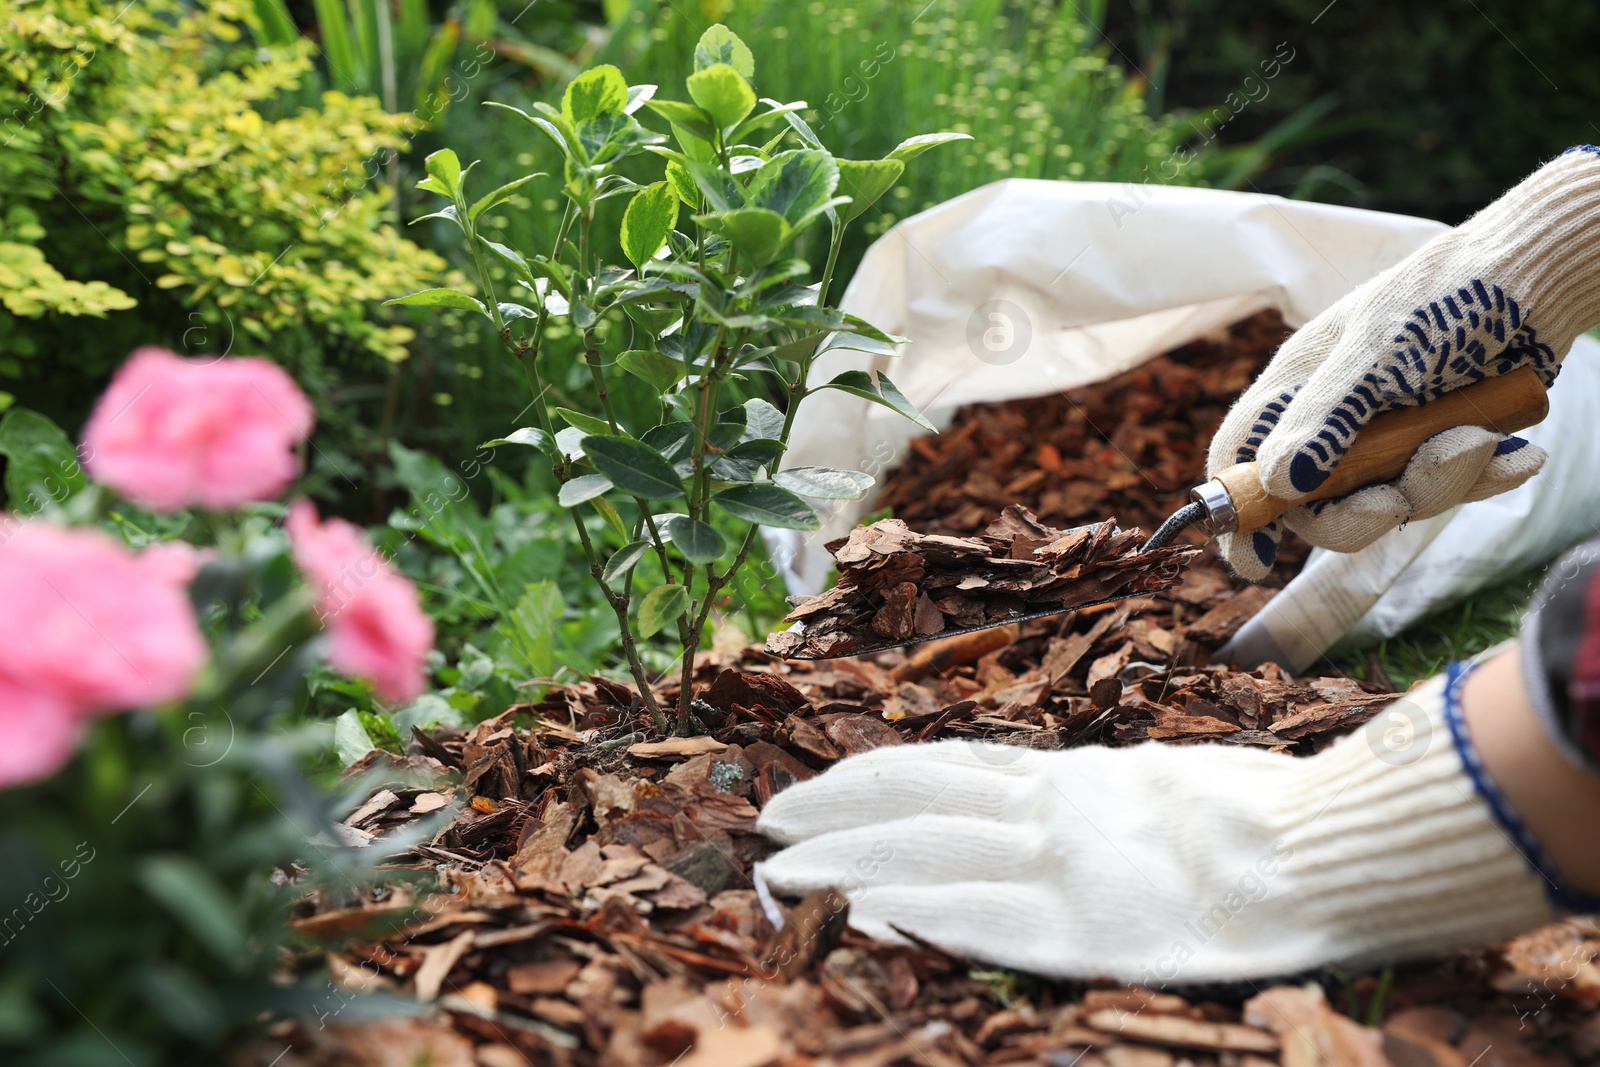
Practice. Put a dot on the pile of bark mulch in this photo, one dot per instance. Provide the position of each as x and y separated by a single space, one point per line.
896 584
1131 446
588 897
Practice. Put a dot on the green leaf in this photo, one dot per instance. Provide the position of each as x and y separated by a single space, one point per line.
808 137
855 342
799 349
769 505
635 467
865 182
757 233
674 440
760 450
441 298
650 217
350 739
426 710
586 423
638 96
537 614
766 118
596 92
661 372
569 442
499 196
698 541
912 147
623 559
660 606
682 183
825 483
381 729
194 897
41 464
721 190
796 184
584 487
530 436
444 173
761 419
609 513
721 45
723 92
557 129
728 430
510 255
859 383
687 117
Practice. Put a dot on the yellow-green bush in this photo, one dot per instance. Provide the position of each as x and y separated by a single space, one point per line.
157 175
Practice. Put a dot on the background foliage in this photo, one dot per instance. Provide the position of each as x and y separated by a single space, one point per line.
1430 109
158 177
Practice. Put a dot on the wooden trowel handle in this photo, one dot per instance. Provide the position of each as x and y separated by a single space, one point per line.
1385 445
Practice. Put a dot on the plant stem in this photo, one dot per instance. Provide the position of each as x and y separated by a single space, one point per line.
692 623
835 242
619 605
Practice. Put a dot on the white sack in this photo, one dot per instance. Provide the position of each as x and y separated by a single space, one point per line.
1097 278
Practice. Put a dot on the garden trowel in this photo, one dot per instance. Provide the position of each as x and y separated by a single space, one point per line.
1235 501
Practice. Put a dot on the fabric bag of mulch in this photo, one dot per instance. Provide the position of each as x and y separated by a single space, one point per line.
1025 288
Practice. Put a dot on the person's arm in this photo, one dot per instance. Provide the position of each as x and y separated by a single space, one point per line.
1557 802
1466 812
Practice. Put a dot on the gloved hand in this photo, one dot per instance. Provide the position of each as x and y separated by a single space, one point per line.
1163 863
1512 286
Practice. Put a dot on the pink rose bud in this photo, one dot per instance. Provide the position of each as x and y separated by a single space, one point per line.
171 432
375 623
86 625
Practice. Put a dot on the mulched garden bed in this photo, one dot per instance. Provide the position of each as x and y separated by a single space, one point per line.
595 903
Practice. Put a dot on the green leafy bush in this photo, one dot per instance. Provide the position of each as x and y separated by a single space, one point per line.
1035 84
694 314
150 180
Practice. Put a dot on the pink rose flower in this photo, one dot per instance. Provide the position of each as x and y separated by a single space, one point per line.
375 623
38 733
171 432
85 626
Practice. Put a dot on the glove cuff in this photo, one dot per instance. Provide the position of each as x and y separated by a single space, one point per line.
1540 242
1398 851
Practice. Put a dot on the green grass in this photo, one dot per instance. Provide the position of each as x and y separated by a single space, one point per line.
1459 632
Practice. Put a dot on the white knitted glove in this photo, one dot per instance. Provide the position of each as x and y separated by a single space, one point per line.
1512 286
1162 863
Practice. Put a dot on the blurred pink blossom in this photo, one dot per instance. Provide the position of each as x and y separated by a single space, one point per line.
171 432
375 623
38 733
86 626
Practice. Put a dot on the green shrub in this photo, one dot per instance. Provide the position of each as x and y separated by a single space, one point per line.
705 298
151 181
